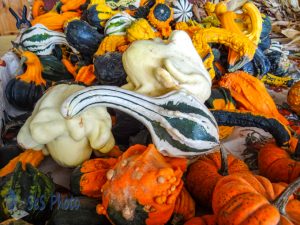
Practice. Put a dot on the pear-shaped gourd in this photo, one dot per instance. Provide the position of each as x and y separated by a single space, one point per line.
180 125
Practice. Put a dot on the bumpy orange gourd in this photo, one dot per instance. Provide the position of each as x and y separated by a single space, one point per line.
277 164
203 220
203 175
184 207
29 156
251 94
53 20
293 97
244 199
142 187
89 178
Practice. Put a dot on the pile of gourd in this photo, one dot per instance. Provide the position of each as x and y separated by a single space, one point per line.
137 98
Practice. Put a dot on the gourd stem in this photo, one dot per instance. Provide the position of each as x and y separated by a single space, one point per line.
224 162
281 201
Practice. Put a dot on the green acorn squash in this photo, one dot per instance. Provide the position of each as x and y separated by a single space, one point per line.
28 191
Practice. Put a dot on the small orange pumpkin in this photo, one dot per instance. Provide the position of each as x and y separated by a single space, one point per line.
293 97
142 187
277 164
203 175
247 199
38 8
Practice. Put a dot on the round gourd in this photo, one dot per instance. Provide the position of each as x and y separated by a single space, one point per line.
162 12
118 24
83 37
279 63
183 10
109 69
25 90
21 186
293 97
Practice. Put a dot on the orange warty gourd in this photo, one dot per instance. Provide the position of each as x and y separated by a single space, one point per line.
142 187
277 164
203 175
253 200
251 94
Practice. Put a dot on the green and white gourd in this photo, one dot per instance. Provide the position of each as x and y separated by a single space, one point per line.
180 125
118 24
183 10
41 41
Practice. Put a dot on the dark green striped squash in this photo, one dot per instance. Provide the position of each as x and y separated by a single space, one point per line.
180 125
28 191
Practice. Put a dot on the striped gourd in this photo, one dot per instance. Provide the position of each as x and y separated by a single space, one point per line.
118 24
179 124
41 41
183 10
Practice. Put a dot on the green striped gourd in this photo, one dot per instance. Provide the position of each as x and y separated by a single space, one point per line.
180 125
118 24
41 41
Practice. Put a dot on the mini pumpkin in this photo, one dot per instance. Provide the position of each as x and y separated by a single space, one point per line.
203 175
142 187
247 199
293 97
251 94
277 164
25 90
38 8
160 16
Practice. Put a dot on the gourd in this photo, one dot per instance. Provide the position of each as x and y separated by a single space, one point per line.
182 10
114 4
265 41
166 66
239 43
213 167
54 69
278 130
25 90
38 8
98 12
26 186
84 214
109 69
142 170
140 30
53 20
203 220
111 44
86 41
29 156
118 24
179 124
247 199
221 98
251 94
160 16
280 63
261 63
277 164
40 40
88 178
15 222
69 5
68 141
293 97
